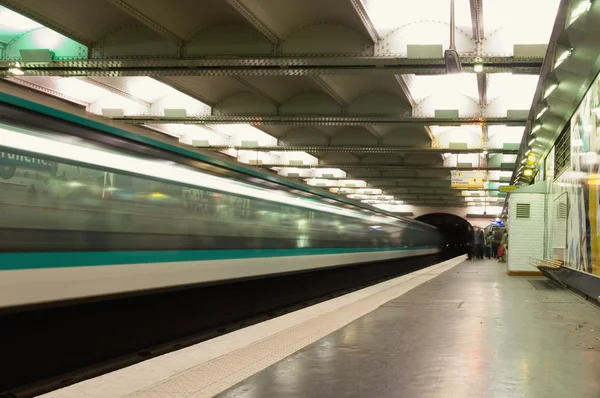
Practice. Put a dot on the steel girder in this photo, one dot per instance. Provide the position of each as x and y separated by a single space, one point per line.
359 149
385 167
296 120
292 66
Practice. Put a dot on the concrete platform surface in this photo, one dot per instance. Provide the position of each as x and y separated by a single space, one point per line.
472 331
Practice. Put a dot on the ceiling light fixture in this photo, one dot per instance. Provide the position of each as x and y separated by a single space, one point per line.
528 172
539 115
562 57
550 89
478 68
536 128
532 141
16 71
581 9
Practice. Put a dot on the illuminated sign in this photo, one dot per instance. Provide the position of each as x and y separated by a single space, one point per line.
467 179
508 188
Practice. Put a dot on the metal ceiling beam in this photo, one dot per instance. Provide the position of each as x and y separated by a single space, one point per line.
147 21
404 84
374 180
387 167
361 11
185 90
434 188
341 102
115 90
358 148
257 91
254 21
477 20
243 65
329 91
362 120
47 90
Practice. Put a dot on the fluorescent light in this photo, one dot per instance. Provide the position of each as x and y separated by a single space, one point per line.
48 145
528 172
581 9
478 68
536 128
539 115
532 158
531 142
550 89
563 57
16 71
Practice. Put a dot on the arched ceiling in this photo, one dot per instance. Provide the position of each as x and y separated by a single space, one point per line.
338 93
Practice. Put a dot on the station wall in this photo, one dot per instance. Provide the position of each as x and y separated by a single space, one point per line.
571 173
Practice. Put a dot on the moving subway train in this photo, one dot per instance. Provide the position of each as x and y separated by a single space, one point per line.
85 214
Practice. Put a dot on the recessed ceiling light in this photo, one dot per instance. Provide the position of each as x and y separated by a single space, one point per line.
16 71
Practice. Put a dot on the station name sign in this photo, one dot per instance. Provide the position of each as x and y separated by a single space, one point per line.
508 188
7 158
467 179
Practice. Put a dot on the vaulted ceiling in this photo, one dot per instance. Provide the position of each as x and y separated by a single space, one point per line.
351 95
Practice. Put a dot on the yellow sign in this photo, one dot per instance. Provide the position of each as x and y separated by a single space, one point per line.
467 179
508 188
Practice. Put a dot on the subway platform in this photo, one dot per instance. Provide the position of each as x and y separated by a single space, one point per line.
457 329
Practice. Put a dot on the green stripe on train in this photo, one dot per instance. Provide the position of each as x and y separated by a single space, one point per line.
32 260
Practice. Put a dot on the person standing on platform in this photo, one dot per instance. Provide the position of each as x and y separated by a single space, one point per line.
489 239
504 245
479 244
496 243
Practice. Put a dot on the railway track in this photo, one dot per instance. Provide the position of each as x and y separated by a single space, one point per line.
48 348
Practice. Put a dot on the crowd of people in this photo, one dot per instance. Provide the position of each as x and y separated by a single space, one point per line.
493 244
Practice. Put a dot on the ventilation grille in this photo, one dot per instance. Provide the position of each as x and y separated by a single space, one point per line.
523 210
562 153
561 211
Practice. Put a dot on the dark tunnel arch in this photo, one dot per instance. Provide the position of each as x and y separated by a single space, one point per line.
456 230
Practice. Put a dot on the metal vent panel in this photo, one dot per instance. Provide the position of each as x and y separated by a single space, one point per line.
523 210
561 211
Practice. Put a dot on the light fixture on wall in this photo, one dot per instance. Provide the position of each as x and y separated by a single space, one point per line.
541 113
550 89
562 57
583 7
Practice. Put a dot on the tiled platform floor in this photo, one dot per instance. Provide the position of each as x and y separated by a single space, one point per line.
472 331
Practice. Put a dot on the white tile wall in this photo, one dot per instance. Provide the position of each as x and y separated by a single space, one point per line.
525 236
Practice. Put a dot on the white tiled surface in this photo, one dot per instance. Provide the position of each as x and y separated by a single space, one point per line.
526 236
210 367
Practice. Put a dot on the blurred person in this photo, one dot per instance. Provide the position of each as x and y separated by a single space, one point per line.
501 254
489 240
504 245
32 193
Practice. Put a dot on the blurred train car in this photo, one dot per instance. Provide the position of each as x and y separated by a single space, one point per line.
86 214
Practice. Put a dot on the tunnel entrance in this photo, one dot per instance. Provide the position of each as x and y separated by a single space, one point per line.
456 230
